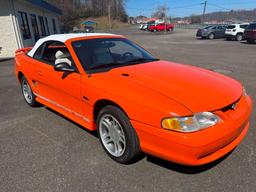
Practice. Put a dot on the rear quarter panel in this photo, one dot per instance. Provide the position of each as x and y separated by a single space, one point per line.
27 66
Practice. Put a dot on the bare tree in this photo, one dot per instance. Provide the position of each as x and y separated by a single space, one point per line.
91 8
161 12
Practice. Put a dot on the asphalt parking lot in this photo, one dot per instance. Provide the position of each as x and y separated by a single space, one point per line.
43 151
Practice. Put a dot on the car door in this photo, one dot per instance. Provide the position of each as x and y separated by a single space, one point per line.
221 31
161 27
61 89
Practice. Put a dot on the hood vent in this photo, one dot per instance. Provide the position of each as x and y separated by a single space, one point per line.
125 74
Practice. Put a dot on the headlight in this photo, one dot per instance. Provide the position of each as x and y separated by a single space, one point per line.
192 123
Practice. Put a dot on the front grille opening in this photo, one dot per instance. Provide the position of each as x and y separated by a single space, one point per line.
230 107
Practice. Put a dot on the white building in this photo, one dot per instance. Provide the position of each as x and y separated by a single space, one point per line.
23 22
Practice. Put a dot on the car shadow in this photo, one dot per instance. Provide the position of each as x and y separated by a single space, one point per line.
5 59
159 33
201 39
183 168
93 133
244 42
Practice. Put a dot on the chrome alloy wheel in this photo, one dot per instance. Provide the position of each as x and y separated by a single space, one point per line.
26 90
112 135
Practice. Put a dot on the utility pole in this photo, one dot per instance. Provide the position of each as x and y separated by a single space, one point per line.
205 5
109 17
165 16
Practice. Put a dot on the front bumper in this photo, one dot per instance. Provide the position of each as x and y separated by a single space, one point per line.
200 147
202 35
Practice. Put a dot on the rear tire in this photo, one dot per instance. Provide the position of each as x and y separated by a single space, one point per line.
117 136
27 93
239 37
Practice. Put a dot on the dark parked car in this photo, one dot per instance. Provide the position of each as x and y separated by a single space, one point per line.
250 33
212 32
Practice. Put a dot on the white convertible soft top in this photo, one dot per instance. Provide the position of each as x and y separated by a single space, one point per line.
63 38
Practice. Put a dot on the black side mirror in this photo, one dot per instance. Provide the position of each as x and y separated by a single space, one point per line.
64 67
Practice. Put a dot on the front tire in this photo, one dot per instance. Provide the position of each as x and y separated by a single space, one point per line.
28 93
117 136
211 36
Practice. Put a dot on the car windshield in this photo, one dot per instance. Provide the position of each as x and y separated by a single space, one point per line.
208 27
106 53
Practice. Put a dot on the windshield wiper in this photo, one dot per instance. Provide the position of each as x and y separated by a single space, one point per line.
107 65
135 61
140 60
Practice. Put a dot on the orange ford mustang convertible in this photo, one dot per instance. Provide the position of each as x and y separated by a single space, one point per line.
137 103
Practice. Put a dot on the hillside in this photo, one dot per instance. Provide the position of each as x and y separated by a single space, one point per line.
102 23
76 11
233 15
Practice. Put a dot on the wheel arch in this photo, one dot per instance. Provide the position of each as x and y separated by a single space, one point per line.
212 33
100 104
20 75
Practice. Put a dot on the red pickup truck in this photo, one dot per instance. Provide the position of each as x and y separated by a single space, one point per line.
161 27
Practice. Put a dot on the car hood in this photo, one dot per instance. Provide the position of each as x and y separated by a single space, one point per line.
196 88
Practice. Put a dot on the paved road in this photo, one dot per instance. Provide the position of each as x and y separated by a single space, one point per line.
42 151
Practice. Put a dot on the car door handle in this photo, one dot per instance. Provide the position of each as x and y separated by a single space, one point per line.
40 73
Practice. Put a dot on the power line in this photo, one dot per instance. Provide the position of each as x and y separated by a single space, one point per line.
180 7
189 6
220 7
186 6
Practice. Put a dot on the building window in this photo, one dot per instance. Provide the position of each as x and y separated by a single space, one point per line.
54 26
24 27
41 21
47 26
34 26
